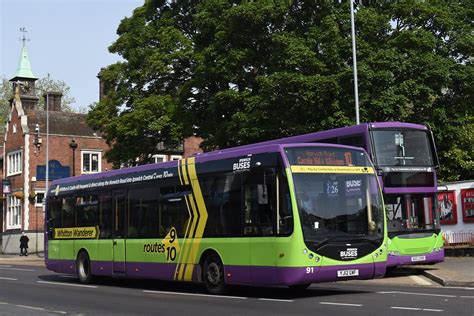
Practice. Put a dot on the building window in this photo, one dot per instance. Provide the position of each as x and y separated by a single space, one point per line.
91 161
39 198
14 128
13 212
159 158
14 163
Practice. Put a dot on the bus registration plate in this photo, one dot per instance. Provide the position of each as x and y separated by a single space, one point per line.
418 258
347 273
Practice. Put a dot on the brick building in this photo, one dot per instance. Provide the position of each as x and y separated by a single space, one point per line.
74 149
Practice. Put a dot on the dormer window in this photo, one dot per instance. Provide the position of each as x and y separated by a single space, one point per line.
14 128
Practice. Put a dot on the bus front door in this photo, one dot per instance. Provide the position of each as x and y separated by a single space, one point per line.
119 207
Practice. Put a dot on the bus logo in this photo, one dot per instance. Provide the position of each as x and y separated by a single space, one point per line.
242 165
350 253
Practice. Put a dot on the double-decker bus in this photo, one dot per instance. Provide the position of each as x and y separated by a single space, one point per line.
405 159
271 215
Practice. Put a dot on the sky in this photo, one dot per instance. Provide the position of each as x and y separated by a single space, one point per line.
68 39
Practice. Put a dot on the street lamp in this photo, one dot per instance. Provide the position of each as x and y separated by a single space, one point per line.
73 146
354 62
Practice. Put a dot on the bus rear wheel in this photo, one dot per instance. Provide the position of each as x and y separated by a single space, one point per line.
83 268
213 274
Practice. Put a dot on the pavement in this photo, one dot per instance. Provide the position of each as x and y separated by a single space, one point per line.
454 271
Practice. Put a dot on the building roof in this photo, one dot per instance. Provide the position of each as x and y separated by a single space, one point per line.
60 123
24 67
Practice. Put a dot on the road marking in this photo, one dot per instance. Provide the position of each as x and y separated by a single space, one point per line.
420 280
458 287
195 294
11 279
4 266
466 296
414 293
31 307
59 312
275 300
406 308
16 269
417 309
3 303
339 304
432 310
68 284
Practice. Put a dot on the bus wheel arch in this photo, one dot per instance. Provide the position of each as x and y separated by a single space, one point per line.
83 267
212 272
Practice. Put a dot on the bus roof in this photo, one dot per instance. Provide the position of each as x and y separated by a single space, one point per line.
310 137
210 156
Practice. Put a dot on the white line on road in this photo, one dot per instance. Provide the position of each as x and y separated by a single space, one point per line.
417 309
406 308
10 279
432 310
16 269
31 307
414 293
196 294
458 287
68 284
4 266
275 300
343 304
466 296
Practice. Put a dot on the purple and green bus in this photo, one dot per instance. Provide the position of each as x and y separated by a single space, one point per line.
268 215
405 159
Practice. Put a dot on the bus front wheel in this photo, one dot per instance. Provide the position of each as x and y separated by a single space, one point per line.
83 267
213 274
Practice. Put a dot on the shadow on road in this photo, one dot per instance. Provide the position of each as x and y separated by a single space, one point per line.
283 293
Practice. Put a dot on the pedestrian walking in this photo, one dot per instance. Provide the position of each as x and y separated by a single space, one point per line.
24 244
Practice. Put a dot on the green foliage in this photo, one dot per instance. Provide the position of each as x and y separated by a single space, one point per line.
236 72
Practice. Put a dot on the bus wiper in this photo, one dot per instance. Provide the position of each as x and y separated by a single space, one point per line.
373 241
323 242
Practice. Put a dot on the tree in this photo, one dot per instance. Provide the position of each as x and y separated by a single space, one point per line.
236 72
139 111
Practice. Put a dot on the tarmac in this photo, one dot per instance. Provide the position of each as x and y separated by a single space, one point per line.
454 271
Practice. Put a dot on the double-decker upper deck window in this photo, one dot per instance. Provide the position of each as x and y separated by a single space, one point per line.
91 161
402 148
14 163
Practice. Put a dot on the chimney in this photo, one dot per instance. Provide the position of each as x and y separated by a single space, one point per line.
54 100
101 84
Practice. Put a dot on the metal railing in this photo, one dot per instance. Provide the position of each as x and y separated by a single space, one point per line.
458 239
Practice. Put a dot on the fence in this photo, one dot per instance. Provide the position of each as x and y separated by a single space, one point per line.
459 239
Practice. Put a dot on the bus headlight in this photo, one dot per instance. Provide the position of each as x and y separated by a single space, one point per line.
317 259
437 249
393 253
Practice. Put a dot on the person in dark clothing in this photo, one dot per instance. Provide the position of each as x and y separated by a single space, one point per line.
24 244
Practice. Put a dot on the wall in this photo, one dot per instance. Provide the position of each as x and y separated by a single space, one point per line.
460 226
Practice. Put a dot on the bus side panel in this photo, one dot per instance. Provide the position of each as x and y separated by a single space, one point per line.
235 256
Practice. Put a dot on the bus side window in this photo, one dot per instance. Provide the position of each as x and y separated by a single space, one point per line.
105 217
55 205
285 215
67 212
259 202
